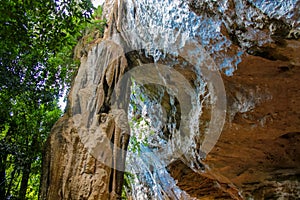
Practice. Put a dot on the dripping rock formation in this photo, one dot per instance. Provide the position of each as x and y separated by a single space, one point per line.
257 154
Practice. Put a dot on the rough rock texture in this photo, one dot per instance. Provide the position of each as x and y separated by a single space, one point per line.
82 158
69 171
258 151
257 155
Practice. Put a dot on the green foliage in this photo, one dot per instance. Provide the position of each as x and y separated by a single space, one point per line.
97 22
95 27
37 38
140 131
32 32
21 143
139 125
128 180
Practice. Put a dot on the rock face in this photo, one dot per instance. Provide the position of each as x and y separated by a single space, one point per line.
70 169
256 156
258 151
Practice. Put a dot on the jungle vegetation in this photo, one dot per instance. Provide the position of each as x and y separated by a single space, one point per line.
37 39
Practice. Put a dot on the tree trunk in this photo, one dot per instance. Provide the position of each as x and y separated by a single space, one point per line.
10 183
24 181
2 177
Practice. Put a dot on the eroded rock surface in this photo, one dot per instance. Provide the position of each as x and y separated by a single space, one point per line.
258 151
257 154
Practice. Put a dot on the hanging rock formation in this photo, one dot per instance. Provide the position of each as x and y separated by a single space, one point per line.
257 154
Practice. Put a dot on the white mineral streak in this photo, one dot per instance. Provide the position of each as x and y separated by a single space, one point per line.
162 27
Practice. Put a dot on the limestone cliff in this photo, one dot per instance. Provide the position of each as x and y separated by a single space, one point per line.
257 153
